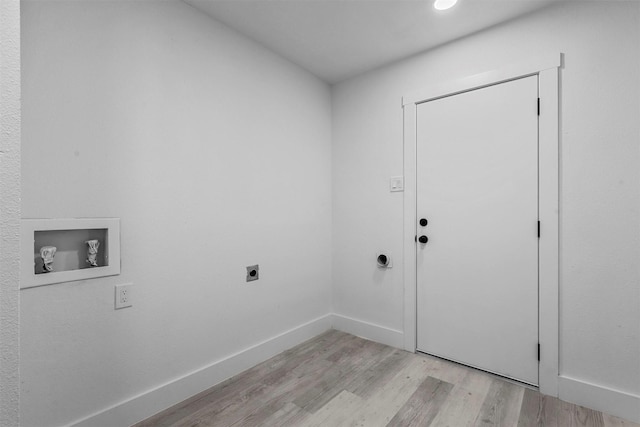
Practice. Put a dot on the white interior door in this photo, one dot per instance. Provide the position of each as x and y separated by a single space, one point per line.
477 187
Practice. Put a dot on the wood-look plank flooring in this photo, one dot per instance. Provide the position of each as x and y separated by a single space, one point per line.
337 379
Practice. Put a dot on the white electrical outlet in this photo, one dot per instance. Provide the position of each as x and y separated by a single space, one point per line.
124 295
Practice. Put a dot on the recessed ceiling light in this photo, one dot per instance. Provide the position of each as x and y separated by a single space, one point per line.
444 4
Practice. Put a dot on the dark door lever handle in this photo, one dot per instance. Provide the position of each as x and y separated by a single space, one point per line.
423 239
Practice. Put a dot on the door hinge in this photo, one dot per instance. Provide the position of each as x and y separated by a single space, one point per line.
538 229
538 106
538 352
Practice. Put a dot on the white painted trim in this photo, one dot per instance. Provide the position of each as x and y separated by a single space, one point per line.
547 69
488 78
604 399
150 402
410 225
548 245
367 330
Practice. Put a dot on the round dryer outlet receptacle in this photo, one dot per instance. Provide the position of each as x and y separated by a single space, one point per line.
253 272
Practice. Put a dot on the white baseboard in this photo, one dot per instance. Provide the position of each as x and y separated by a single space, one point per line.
166 395
610 401
368 330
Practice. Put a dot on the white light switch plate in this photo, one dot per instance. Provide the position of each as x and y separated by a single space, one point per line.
396 183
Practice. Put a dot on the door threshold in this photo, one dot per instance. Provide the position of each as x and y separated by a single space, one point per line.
493 374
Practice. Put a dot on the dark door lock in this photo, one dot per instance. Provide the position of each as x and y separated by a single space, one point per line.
423 239
424 222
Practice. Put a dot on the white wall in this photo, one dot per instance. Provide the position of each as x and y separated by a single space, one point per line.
215 154
9 212
600 179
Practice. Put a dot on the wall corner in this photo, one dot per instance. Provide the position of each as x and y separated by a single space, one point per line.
9 212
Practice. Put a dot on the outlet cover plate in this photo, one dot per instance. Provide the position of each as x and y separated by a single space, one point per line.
124 295
253 273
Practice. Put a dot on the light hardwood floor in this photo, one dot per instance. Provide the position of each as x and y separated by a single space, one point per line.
337 379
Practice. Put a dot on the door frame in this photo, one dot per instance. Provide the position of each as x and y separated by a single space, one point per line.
547 70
